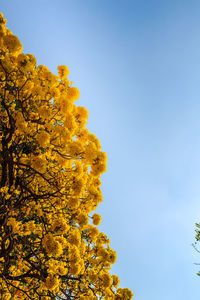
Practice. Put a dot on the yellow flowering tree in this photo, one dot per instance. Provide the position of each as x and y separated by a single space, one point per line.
50 164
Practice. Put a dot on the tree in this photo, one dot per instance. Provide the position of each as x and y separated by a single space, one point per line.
50 246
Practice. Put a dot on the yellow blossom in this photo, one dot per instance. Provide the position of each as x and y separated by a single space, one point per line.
83 219
96 219
63 71
51 282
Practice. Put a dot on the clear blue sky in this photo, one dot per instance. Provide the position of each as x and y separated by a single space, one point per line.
137 65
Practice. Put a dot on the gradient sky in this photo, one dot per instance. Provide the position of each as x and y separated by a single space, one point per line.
137 66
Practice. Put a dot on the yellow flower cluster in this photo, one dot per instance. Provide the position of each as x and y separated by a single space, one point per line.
60 226
49 186
52 245
124 294
51 282
96 219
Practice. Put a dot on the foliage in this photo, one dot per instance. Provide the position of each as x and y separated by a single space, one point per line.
50 247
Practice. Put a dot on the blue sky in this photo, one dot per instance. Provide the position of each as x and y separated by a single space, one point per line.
137 66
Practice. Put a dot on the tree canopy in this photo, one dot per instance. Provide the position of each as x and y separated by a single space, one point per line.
50 167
